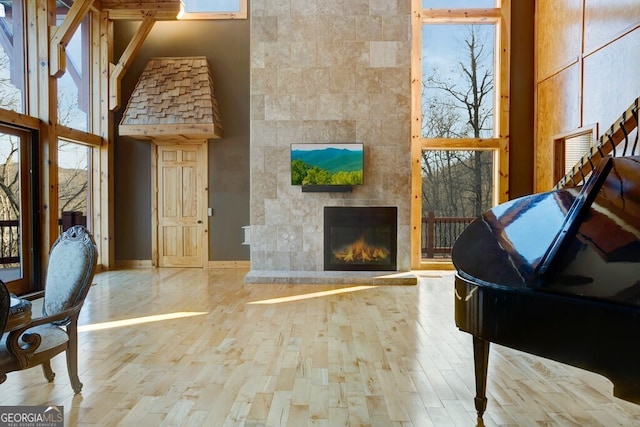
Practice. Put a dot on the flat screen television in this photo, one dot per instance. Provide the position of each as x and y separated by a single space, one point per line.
327 166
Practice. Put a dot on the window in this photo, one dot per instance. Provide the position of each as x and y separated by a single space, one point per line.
12 60
73 183
459 120
214 9
74 92
569 149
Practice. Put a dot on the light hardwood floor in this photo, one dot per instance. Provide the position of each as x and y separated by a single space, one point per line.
192 347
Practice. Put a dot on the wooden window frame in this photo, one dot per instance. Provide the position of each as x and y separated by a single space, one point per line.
499 144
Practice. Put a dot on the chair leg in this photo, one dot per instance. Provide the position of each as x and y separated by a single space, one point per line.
72 363
48 372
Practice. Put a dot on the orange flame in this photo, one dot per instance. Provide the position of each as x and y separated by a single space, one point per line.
360 251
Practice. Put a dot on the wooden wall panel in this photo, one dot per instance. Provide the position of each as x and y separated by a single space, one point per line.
606 19
558 35
611 80
558 112
602 80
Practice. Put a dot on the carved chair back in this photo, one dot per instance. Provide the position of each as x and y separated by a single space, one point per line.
72 264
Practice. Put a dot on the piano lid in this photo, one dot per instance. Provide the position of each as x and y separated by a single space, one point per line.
581 241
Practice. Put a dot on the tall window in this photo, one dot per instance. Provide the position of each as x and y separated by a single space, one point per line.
74 93
12 60
75 149
460 119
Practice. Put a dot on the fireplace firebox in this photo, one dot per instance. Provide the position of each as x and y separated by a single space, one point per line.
360 238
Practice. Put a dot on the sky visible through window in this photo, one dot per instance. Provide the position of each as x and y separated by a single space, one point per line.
207 6
69 112
445 52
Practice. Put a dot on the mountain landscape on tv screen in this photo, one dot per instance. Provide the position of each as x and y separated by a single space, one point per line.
326 166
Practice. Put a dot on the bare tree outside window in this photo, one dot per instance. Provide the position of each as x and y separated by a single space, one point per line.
9 179
73 177
10 95
457 102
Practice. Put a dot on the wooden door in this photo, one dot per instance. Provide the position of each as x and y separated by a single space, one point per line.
181 197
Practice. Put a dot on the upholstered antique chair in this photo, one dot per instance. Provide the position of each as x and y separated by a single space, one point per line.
72 264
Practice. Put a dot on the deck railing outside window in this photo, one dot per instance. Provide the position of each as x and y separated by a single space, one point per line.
439 234
9 243
10 237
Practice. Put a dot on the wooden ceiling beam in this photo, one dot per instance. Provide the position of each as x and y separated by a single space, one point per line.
174 132
60 36
118 70
120 10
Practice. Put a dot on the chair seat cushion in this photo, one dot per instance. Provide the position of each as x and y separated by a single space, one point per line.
52 336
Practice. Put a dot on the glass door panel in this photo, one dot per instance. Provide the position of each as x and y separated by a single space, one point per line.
14 230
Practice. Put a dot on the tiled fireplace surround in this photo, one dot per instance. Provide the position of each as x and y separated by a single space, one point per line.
335 71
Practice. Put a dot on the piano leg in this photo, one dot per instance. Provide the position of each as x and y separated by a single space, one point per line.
481 361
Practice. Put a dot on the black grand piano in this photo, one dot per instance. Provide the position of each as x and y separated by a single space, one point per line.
557 275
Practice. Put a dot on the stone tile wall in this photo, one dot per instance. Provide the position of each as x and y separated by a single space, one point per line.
326 71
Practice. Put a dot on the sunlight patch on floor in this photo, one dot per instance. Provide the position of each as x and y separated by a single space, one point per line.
139 320
311 295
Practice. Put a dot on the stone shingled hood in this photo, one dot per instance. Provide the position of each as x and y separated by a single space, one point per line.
174 99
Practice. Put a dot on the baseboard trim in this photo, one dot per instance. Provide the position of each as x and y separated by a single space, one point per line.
229 264
133 263
146 263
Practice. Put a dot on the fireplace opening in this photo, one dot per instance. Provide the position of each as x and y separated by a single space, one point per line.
360 238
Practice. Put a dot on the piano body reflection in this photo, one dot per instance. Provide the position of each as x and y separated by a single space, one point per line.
557 275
